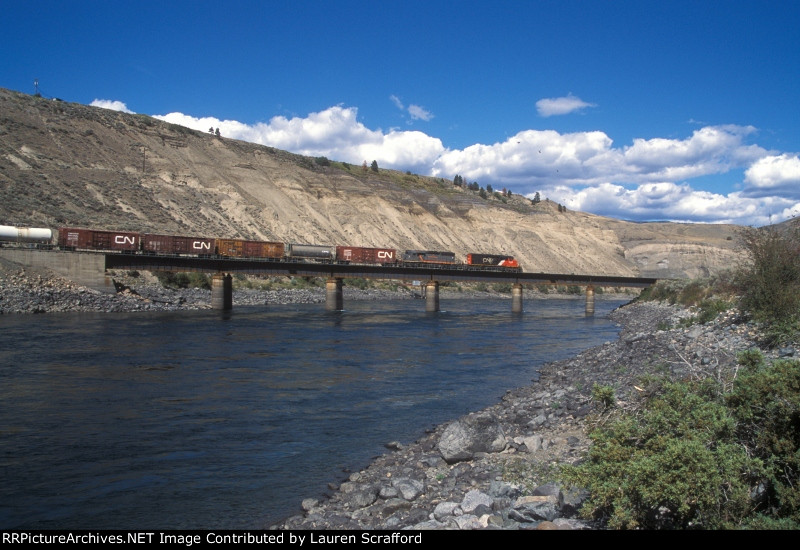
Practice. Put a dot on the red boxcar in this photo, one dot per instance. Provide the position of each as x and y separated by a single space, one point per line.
361 255
171 244
91 239
239 248
494 260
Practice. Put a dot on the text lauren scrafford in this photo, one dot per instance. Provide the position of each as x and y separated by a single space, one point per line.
366 538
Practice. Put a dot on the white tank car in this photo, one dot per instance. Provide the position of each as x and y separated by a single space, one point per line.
25 234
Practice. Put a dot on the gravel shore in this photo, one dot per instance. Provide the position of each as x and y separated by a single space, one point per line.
491 469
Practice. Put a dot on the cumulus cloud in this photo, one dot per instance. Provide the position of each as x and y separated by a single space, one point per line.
644 180
774 174
552 106
334 133
111 104
542 157
710 150
673 202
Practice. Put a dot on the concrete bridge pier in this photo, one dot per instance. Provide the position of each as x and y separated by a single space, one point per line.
432 296
334 299
589 301
516 298
222 291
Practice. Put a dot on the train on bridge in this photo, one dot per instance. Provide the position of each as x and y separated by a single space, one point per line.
127 242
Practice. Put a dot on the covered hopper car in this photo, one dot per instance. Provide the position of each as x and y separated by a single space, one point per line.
413 257
238 248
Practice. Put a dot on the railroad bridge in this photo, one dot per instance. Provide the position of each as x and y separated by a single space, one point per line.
430 276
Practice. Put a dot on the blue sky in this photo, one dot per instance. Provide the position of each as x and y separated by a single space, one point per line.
639 110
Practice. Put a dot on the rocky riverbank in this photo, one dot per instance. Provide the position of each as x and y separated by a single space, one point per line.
31 290
492 469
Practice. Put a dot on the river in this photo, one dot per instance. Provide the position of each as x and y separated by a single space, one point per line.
227 420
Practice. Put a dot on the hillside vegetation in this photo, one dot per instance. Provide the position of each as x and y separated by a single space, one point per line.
70 164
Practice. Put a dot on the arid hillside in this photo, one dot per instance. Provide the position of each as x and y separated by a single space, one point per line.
70 164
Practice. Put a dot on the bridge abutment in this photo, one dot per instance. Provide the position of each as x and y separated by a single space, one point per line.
334 298
432 296
222 291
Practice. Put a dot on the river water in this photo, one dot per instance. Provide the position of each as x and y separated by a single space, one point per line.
227 420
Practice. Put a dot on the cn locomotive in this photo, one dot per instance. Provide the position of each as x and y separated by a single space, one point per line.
128 242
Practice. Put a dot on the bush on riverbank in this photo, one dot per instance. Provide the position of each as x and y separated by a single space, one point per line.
691 454
770 284
711 453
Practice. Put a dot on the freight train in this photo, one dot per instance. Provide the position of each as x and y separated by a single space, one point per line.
128 242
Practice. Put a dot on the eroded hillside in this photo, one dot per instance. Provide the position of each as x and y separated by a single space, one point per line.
69 164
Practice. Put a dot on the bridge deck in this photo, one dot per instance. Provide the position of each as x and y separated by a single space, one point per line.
335 270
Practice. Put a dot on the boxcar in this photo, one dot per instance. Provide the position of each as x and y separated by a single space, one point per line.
428 257
362 255
314 252
171 244
492 260
90 239
239 248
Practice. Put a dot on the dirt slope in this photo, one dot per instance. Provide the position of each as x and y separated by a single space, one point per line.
70 164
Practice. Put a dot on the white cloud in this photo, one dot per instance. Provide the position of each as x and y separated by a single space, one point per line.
334 133
774 174
710 150
416 112
419 113
560 105
674 202
111 104
645 180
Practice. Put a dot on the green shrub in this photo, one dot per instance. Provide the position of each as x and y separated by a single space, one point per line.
693 293
659 292
358 283
604 395
691 455
769 283
199 280
766 404
673 464
183 280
